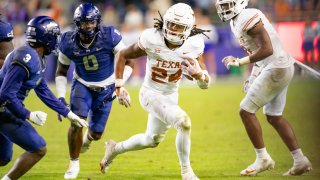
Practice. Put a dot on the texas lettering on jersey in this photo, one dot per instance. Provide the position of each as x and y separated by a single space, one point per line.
163 69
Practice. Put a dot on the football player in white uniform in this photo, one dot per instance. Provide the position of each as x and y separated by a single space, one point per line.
173 48
267 85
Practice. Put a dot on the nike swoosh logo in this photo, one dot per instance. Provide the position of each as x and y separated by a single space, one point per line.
250 171
185 53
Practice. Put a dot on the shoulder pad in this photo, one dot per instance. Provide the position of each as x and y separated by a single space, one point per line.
248 18
110 33
149 37
67 42
27 57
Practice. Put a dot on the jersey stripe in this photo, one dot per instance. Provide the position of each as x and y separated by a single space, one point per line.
248 23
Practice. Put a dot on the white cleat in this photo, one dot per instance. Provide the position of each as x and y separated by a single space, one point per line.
85 143
299 167
189 176
258 166
109 155
73 170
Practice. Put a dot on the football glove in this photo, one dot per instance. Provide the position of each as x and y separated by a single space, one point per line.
123 96
38 117
230 61
76 120
63 101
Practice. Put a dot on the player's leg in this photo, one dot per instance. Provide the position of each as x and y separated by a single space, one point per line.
166 108
182 123
25 136
273 111
5 150
264 89
80 101
98 116
155 133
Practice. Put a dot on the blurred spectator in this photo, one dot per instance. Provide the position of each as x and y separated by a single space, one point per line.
317 28
19 35
307 45
110 16
281 10
203 22
131 30
17 11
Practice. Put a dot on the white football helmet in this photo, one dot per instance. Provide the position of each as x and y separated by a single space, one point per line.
227 9
178 23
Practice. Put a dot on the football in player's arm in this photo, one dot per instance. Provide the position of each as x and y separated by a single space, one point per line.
174 46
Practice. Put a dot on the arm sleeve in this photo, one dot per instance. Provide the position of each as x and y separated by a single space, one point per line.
48 98
10 87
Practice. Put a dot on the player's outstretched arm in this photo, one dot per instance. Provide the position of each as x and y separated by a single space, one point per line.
131 52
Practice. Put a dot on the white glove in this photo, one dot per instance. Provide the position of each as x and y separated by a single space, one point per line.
76 120
190 66
254 74
123 97
230 61
38 117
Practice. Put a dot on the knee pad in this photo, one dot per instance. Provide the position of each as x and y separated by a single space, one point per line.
183 122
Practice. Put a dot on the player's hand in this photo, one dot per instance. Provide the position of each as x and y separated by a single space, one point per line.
230 61
76 120
63 101
123 96
38 117
191 67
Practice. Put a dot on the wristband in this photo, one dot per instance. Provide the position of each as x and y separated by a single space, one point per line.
244 60
119 83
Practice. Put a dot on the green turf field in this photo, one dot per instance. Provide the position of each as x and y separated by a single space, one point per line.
220 146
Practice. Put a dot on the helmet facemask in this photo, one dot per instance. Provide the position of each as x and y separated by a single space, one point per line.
87 19
228 9
43 31
178 23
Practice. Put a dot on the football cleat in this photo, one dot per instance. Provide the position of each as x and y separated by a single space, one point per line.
73 170
299 167
189 176
85 143
258 166
109 155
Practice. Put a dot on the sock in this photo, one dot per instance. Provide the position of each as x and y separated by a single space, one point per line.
183 144
135 142
297 154
5 177
186 169
261 153
87 138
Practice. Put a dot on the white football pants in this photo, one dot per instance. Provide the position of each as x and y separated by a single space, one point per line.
164 112
269 91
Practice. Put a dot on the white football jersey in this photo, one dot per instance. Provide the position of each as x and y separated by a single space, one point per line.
163 68
246 20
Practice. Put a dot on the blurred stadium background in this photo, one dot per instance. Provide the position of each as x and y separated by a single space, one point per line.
132 16
220 146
